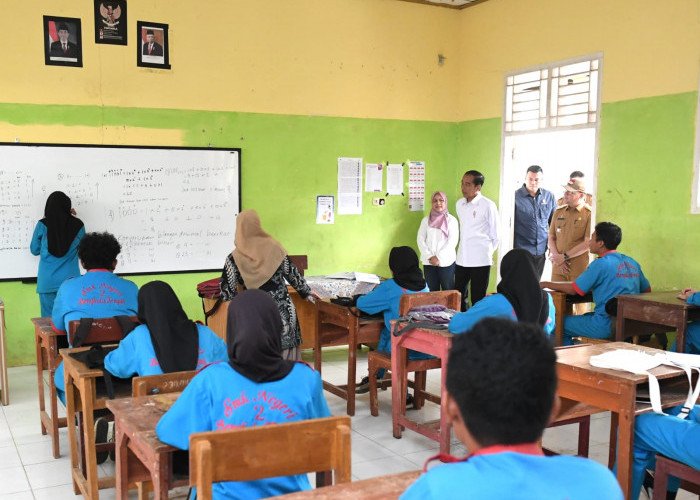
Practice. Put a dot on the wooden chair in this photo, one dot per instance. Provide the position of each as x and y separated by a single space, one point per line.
668 467
161 384
102 331
380 359
317 445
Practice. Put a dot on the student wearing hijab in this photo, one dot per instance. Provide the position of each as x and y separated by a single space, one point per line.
256 387
438 236
166 341
55 240
519 297
260 261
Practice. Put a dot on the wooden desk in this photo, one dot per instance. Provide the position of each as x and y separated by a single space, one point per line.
340 325
4 385
47 344
563 305
82 398
616 391
140 455
436 343
388 487
636 312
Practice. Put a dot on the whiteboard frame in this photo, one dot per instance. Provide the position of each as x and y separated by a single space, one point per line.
31 279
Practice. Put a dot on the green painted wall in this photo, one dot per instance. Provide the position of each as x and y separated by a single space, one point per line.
286 162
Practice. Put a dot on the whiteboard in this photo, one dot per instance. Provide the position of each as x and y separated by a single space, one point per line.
172 209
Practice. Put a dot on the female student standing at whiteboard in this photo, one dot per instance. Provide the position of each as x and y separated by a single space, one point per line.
55 240
260 261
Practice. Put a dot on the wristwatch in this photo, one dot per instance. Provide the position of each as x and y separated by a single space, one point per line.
566 256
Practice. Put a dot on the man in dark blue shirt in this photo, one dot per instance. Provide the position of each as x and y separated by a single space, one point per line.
534 207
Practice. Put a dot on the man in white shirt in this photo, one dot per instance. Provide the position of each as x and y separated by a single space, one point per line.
478 238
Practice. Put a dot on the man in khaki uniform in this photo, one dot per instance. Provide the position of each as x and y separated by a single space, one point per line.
576 174
569 233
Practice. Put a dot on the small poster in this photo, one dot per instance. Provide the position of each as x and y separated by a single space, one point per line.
394 178
325 207
110 22
416 186
153 49
349 186
373 177
63 44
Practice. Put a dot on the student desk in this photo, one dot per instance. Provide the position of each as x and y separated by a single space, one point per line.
340 325
616 391
388 487
140 455
436 343
47 343
82 398
563 305
639 311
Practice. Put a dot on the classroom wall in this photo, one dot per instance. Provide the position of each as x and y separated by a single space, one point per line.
296 84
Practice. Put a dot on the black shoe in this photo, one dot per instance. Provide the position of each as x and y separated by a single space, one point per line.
648 484
363 386
409 400
101 430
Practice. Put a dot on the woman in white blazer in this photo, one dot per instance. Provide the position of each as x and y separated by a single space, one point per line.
438 236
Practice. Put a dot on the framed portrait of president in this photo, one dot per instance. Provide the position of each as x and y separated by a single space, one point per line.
152 48
62 41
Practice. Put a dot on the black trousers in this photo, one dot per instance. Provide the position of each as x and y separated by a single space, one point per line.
476 278
539 264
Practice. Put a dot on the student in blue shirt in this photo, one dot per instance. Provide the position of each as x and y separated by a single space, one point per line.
256 387
55 241
99 293
385 298
500 395
166 341
692 334
519 297
611 274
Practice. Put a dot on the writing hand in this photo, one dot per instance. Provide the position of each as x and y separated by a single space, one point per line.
685 293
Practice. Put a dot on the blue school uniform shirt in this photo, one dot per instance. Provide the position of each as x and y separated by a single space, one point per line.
694 299
516 476
219 397
99 293
495 306
136 356
609 275
385 298
54 270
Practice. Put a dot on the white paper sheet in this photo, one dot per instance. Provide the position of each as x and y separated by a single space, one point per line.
416 186
349 186
373 177
325 209
394 178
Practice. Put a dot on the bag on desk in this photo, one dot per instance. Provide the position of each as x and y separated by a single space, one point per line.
640 362
433 316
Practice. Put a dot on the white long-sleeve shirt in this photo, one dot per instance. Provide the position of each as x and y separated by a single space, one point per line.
478 231
432 241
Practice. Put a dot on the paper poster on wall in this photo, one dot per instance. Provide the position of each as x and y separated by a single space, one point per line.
324 209
416 186
349 186
373 177
394 178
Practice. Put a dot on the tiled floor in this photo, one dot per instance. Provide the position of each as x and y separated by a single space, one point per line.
29 471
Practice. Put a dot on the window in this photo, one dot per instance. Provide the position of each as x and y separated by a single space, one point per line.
561 94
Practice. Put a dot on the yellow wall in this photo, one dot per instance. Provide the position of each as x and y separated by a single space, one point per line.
650 48
351 58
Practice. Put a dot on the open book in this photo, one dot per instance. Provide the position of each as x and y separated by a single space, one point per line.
357 276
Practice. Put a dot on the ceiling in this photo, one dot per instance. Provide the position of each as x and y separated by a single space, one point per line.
450 4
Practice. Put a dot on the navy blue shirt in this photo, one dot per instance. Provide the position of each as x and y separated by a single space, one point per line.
532 217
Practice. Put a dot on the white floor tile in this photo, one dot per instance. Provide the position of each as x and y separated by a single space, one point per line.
381 467
14 480
9 458
48 474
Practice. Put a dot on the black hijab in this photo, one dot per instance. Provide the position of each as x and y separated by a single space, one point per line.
61 226
174 336
521 286
254 337
403 262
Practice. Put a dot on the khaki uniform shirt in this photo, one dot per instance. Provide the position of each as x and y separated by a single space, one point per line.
570 226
